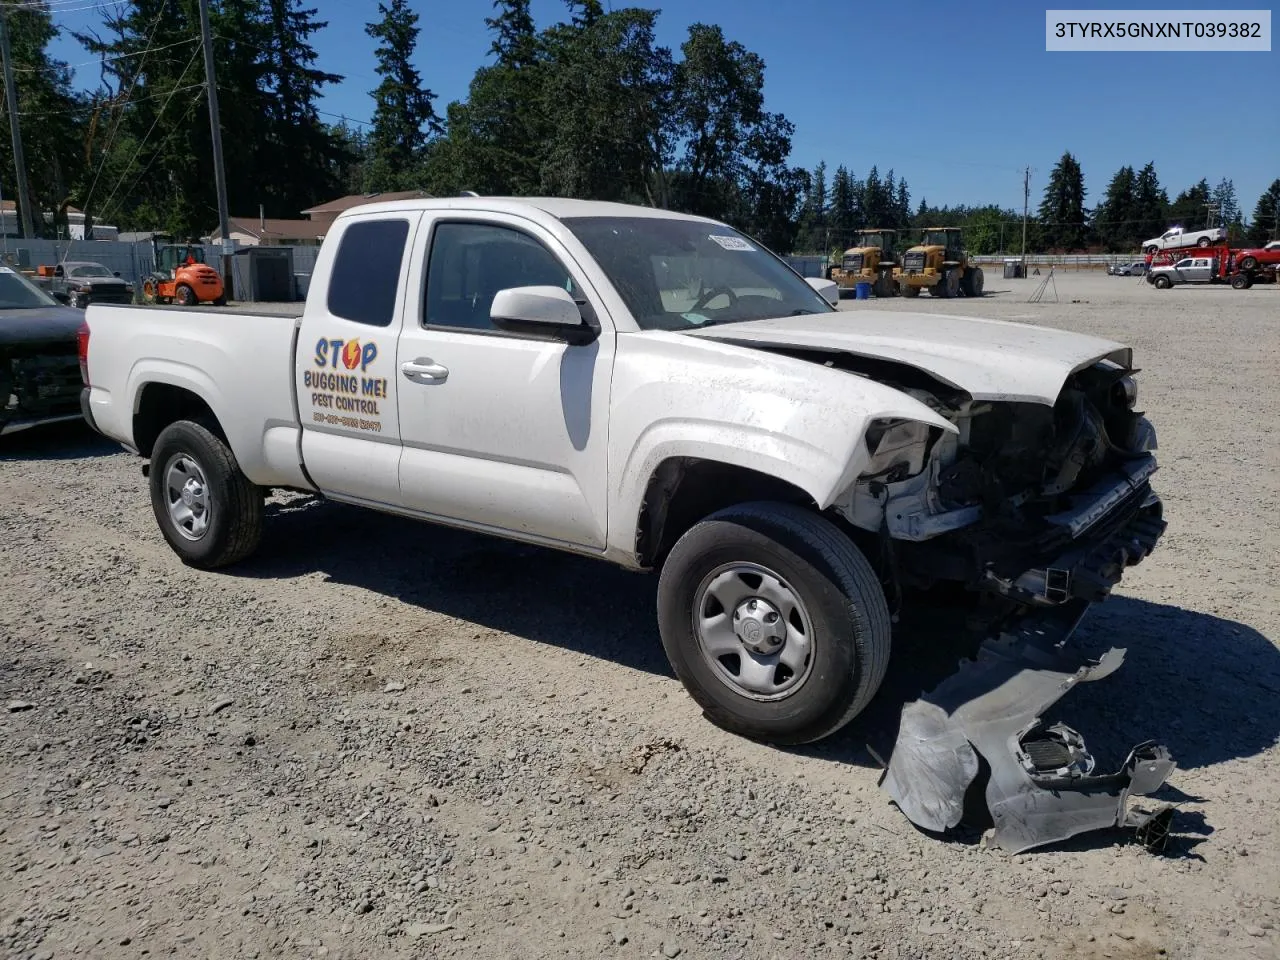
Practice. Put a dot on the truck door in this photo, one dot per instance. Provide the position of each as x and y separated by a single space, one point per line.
502 431
346 360
1201 270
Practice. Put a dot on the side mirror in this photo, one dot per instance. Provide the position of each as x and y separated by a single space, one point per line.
116 273
541 310
61 296
829 289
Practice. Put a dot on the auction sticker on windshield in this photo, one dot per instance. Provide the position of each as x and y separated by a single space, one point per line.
732 243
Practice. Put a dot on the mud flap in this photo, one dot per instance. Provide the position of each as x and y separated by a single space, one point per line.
1042 787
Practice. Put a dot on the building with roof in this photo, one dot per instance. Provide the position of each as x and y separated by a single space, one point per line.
323 214
270 232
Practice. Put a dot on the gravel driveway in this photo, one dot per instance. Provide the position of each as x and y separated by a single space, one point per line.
381 739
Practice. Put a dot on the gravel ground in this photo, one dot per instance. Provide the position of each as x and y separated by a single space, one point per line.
378 739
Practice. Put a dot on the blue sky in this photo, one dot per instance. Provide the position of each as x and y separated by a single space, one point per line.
861 87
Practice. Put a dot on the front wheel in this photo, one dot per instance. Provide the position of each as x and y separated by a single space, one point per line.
1163 283
207 509
774 622
185 296
1241 282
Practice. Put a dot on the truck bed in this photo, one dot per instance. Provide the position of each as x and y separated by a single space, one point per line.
240 362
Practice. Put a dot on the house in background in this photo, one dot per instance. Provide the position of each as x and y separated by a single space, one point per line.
322 215
268 232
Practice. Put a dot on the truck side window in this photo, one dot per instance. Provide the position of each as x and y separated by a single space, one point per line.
470 262
366 271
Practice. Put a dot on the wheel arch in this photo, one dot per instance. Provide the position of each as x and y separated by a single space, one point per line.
682 490
160 404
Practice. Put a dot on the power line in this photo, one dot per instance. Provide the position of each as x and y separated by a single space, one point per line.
98 105
120 56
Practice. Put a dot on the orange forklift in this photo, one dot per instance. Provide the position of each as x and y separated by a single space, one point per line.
181 275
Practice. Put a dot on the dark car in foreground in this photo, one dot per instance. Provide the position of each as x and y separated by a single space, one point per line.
39 359
83 282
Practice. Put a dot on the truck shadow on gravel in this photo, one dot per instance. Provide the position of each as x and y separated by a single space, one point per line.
59 441
1209 688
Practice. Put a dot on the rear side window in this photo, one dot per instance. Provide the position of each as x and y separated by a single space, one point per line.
366 271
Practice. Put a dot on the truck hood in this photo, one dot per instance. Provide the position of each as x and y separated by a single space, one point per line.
987 359
40 325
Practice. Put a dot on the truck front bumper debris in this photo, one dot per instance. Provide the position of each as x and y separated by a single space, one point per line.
1041 786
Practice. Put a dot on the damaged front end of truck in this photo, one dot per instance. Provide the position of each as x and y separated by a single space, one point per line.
1040 507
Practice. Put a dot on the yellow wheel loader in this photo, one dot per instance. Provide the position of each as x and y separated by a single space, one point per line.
940 264
870 260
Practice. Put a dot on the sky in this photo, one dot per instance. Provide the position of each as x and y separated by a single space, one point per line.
958 100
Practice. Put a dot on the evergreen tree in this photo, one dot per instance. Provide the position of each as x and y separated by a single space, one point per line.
1114 219
844 212
1265 225
585 12
902 206
403 116
1224 195
1190 209
1062 211
51 116
813 216
514 38
1150 205
873 205
300 152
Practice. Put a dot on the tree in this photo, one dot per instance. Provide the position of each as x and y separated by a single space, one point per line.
1114 218
51 117
514 38
813 214
1265 224
404 117
300 151
844 209
902 206
1062 211
585 12
1190 209
1150 205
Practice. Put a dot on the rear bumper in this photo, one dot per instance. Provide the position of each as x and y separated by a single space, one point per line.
86 410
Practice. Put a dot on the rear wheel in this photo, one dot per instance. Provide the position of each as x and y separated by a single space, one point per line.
1248 263
774 621
207 509
1241 282
908 290
1163 283
1203 242
185 296
976 281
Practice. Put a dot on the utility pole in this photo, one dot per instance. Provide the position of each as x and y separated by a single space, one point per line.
219 174
1026 203
11 98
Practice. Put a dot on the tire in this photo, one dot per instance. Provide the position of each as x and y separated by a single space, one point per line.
977 283
839 606
1163 283
220 301
185 296
1241 282
1151 249
79 303
1248 263
908 290
1203 242
230 504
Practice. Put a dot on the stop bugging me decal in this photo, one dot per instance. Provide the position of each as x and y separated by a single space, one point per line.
343 393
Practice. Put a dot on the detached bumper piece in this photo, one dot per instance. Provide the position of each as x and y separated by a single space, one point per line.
1042 787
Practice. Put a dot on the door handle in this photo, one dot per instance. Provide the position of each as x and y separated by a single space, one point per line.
425 369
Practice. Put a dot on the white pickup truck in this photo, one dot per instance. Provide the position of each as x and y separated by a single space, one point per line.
1176 238
661 392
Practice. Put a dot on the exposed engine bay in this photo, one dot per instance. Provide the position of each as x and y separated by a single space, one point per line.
1041 508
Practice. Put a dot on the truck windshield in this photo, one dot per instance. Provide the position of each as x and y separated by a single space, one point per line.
90 270
683 274
19 293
